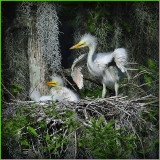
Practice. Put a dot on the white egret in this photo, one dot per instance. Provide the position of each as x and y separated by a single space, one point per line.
59 92
108 67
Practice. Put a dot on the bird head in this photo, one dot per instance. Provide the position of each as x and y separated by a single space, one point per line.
86 40
52 83
56 81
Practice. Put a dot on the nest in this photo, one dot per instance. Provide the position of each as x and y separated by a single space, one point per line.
126 114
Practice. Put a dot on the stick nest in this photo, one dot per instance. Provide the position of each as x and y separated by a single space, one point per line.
125 112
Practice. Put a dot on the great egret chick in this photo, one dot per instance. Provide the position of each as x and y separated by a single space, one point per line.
59 92
108 67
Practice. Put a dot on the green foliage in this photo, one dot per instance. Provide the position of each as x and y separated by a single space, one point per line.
152 115
106 142
152 72
100 140
25 142
15 88
12 127
97 14
110 27
152 147
53 145
127 26
28 131
32 131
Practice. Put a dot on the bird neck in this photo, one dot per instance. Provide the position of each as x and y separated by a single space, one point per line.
58 88
91 52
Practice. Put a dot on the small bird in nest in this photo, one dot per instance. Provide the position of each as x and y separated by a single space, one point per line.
59 92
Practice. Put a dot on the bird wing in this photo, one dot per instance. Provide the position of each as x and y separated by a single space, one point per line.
120 57
76 74
102 59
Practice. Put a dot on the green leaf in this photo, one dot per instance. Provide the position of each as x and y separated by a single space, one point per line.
53 103
141 68
19 87
148 80
69 113
128 29
80 144
89 20
25 142
33 131
110 27
16 86
109 124
97 150
97 15
42 125
14 90
58 145
127 26
93 120
131 137
91 28
70 128
54 112
47 137
100 120
52 146
151 63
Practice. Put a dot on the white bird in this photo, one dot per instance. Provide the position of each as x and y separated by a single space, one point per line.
108 67
59 92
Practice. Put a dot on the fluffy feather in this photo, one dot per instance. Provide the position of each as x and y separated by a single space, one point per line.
34 95
57 93
58 79
61 93
108 67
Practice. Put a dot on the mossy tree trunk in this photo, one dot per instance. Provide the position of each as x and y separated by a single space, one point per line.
37 66
32 50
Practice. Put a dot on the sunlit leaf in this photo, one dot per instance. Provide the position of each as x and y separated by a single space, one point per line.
33 131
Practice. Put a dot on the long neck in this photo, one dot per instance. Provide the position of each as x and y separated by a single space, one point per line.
91 52
58 87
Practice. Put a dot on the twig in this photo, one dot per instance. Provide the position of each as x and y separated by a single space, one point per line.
68 82
145 104
132 69
75 151
140 73
8 91
132 63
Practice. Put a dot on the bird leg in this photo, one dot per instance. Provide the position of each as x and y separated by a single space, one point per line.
104 91
116 86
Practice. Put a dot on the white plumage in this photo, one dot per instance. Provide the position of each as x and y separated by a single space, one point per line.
108 67
58 92
34 95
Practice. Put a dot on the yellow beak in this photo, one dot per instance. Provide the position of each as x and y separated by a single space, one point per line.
78 45
51 83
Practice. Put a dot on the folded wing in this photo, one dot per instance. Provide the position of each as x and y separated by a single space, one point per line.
76 74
